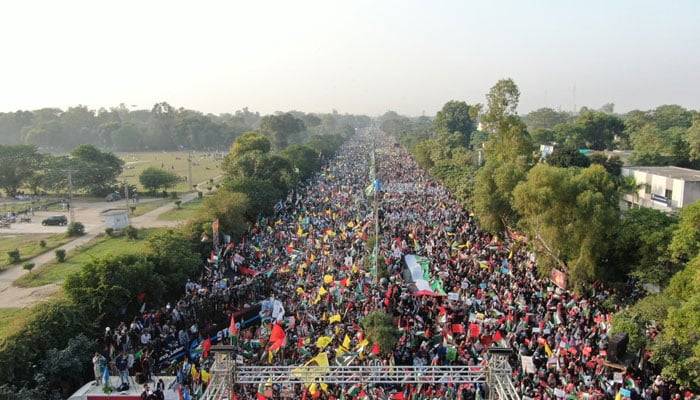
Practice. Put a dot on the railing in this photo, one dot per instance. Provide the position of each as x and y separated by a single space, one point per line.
495 375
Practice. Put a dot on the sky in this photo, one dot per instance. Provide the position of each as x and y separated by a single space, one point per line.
356 56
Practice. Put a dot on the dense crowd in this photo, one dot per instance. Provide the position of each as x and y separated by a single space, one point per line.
310 271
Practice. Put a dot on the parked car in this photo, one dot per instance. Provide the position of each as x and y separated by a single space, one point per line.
113 197
56 220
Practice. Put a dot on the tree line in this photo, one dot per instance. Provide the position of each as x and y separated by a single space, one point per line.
568 204
162 127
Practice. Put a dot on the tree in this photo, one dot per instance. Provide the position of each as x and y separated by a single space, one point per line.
508 157
692 137
96 171
381 329
653 146
565 156
545 119
174 257
128 137
19 163
612 163
230 208
161 125
454 117
281 129
641 246
303 159
153 178
598 130
685 244
567 214
502 101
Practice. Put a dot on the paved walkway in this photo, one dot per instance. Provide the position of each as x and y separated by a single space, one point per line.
13 296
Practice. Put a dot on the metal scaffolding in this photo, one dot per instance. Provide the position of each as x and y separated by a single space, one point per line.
226 374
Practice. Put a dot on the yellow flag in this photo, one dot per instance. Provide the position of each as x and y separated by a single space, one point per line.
300 291
334 318
361 346
328 279
269 357
313 389
322 342
300 231
205 376
347 342
547 349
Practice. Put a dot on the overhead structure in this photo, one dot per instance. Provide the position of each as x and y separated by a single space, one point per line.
226 374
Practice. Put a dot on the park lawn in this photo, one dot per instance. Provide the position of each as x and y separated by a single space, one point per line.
97 248
186 211
12 320
143 207
28 245
205 166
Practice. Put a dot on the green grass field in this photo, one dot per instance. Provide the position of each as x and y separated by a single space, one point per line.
97 248
205 166
28 245
184 213
12 319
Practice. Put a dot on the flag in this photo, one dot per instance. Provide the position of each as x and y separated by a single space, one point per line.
375 348
547 349
323 341
233 328
474 330
277 338
313 370
458 328
328 279
334 318
206 347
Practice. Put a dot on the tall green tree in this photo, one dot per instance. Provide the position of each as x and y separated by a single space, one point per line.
96 171
282 129
508 157
686 238
502 101
19 164
567 213
545 118
455 117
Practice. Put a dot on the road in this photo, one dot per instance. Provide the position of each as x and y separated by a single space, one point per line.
13 296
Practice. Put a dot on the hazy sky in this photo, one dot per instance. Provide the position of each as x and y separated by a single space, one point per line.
356 56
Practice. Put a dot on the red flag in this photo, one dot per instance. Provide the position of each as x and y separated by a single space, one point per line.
277 337
474 330
457 328
206 347
261 397
398 396
497 336
375 348
233 329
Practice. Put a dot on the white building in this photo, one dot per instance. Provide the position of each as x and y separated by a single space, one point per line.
546 150
663 188
116 218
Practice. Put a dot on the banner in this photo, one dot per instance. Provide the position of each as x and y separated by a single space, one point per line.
559 278
528 365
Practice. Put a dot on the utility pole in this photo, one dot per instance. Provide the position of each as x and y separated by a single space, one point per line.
189 170
126 196
71 212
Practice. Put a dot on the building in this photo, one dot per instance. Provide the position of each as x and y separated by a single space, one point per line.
546 150
663 188
116 218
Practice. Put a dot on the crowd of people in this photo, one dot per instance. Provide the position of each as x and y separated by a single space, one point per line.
310 271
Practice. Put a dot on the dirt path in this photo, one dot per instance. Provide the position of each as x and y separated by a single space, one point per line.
13 296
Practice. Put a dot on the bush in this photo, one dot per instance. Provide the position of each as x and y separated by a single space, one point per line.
76 229
28 266
60 255
42 243
13 256
131 232
178 203
153 179
109 231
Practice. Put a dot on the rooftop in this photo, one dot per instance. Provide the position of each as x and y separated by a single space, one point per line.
686 174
